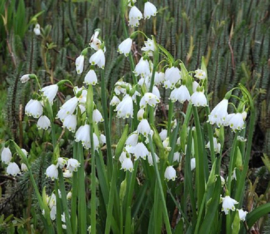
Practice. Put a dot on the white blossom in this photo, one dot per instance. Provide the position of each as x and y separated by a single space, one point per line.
219 113
170 173
98 58
70 106
235 121
50 92
242 214
140 151
95 42
200 74
43 122
149 10
115 100
90 78
37 29
173 75
73 164
125 107
150 159
140 114
61 162
192 164
150 99
52 172
6 155
79 62
67 174
125 47
142 68
97 117
228 204
13 169
198 99
180 94
70 122
176 157
134 16
25 78
149 47
163 134
83 135
127 164
24 167
144 128
102 139
159 78
217 145
34 108
132 139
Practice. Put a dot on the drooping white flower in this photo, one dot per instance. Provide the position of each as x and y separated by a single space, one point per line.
95 42
83 135
53 213
98 58
13 169
52 172
24 167
217 145
125 47
144 128
6 155
192 164
242 214
62 114
69 195
195 85
127 165
43 122
142 68
228 204
180 94
149 10
67 174
235 121
50 92
200 74
70 106
25 78
156 92
132 139
37 29
170 173
140 151
61 162
102 139
123 156
90 78
150 159
167 84
219 113
198 99
97 117
24 152
149 46
166 144
70 122
125 107
150 99
134 16
173 75
140 114
159 78
115 100
163 134
176 157
79 62
34 108
73 164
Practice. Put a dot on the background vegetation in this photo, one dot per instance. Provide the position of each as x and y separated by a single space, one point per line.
234 37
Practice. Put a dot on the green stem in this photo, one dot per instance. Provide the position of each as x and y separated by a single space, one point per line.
165 212
74 197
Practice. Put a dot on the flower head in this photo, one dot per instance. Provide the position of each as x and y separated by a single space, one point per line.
149 46
242 214
150 99
73 164
140 151
173 75
192 164
235 121
25 78
200 74
69 106
37 29
219 113
150 159
125 107
127 164
34 108
144 128
70 122
52 172
228 204
6 155
98 59
170 173
115 100
134 16
50 92
43 122
149 10
125 47
198 99
90 78
13 169
79 64
142 68
97 117
180 94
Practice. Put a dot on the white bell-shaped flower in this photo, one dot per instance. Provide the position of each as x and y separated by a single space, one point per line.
6 155
61 162
90 78
97 117
62 114
43 122
150 159
127 165
73 164
115 100
25 78
167 84
132 139
13 169
156 92
102 139
166 144
125 47
70 122
180 94
24 167
50 92
37 29
217 145
173 75
123 156
69 195
176 157
70 106
125 107
140 151
242 214
149 10
200 74
159 78
142 68
95 42
144 128
170 173
149 47
198 99
228 204
192 164
52 172
140 114
83 135
67 174
53 213
163 134
79 62
235 121
98 59
150 99
34 108
219 113
134 16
